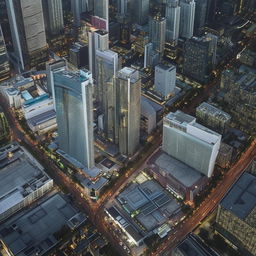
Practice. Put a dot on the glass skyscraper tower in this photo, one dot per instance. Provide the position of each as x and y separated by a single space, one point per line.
4 62
74 110
28 33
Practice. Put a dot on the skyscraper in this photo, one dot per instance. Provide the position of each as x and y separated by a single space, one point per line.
187 17
190 142
200 57
50 67
78 55
106 69
101 10
4 62
157 31
151 56
128 94
74 110
122 7
98 40
53 17
172 13
200 14
165 79
76 10
141 11
28 33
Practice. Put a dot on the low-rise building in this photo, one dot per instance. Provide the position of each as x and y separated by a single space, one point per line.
181 180
22 180
39 229
33 101
212 117
148 204
134 236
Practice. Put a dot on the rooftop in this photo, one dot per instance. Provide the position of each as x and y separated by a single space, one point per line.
148 202
41 118
175 168
180 118
19 176
213 111
188 124
96 185
91 172
241 199
35 231
77 76
193 246
165 67
129 73
114 213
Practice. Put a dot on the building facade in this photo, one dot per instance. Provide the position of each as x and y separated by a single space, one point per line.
128 95
101 9
4 61
236 215
190 142
106 70
200 57
141 11
28 33
53 17
74 110
213 117
172 13
165 80
187 18
98 40
157 33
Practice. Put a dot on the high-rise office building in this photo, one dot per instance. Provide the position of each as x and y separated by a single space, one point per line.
200 57
4 61
101 9
4 18
172 13
78 55
141 11
78 7
50 67
128 95
157 33
28 33
165 79
122 7
76 10
74 110
200 15
190 142
98 40
53 17
187 17
106 69
151 56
